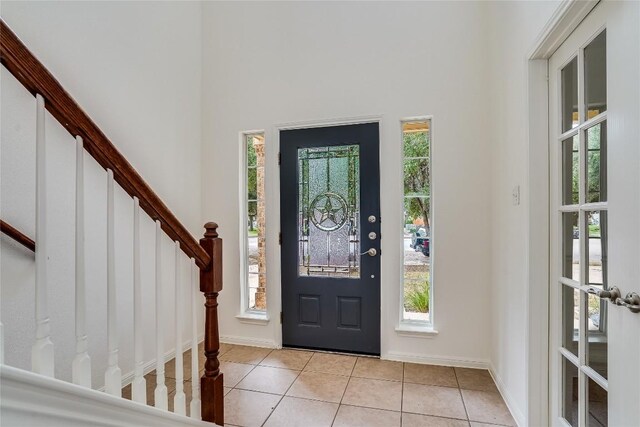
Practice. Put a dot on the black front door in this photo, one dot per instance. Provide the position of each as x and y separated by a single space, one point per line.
330 218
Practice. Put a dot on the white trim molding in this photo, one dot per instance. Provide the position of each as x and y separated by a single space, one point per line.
150 365
28 399
517 415
562 23
254 318
537 261
416 330
247 314
326 123
252 342
457 362
409 327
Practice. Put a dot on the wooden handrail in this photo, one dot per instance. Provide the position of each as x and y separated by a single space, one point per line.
17 235
33 75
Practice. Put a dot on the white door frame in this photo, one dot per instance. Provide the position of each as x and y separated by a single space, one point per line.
565 19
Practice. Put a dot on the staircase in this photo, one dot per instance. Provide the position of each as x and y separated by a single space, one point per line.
36 397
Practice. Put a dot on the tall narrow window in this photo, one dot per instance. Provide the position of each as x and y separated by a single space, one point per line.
254 262
417 285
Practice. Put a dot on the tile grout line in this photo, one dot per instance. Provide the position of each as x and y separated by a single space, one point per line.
243 377
464 405
402 395
288 388
252 369
442 417
344 391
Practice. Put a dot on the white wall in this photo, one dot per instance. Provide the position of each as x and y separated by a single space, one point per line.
269 64
277 63
514 29
135 68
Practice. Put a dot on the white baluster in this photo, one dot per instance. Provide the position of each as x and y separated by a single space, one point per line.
42 350
179 400
113 375
81 366
160 395
139 384
194 291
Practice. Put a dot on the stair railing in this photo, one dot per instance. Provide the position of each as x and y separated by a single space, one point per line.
205 255
17 235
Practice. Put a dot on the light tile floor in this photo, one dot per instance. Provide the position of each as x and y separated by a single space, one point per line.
281 388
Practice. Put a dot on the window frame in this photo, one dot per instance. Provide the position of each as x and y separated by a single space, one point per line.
247 314
413 327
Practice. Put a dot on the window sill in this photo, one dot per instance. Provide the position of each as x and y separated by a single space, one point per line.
253 318
595 337
414 329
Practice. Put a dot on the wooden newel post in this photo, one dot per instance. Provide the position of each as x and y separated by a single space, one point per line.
212 393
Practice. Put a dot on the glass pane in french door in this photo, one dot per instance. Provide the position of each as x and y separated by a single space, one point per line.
596 345
570 318
570 392
596 163
597 248
570 171
597 405
595 75
570 95
570 246
597 335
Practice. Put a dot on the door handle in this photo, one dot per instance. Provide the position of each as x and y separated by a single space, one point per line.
370 252
631 301
612 294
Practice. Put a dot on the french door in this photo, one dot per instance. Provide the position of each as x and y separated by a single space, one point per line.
594 102
330 222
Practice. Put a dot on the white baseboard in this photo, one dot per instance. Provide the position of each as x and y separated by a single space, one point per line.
253 342
28 399
458 362
516 413
151 364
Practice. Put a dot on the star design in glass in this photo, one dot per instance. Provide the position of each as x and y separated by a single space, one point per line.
328 212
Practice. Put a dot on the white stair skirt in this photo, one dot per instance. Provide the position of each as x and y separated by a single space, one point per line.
28 399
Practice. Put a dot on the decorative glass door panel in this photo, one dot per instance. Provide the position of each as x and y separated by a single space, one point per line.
329 211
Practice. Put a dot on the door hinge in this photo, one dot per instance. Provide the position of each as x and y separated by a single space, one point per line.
281 318
280 238
279 158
